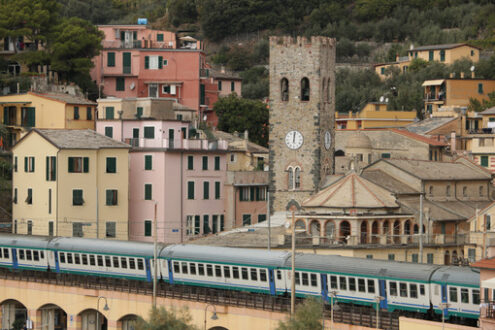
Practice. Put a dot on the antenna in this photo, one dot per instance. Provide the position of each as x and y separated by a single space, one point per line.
472 68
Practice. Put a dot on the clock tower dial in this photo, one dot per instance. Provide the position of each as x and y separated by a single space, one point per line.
294 140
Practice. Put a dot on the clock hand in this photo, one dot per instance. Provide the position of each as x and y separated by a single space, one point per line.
293 137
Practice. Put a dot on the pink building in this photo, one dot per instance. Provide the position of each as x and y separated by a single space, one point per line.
184 177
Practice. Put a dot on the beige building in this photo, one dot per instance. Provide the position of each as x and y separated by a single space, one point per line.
21 112
374 115
70 183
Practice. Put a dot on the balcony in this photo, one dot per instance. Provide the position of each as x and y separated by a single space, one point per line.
137 44
177 144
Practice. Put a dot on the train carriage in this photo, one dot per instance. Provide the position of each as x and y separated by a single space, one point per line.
24 252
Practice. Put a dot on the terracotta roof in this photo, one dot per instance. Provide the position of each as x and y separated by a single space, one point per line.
489 111
352 191
224 75
443 46
79 139
485 263
236 143
65 98
427 125
388 182
418 137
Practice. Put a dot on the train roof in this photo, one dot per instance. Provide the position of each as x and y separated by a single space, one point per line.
228 255
40 242
457 275
364 267
89 245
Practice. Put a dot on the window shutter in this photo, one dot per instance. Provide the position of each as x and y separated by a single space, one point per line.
146 62
148 162
71 165
25 164
86 164
33 165
47 168
160 62
241 194
251 193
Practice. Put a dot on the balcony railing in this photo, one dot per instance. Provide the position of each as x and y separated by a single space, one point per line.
137 44
172 144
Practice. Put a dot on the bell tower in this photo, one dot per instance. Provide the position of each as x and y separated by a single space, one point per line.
302 115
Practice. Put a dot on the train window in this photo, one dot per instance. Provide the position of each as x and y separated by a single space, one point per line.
29 255
226 271
333 282
476 297
123 262
279 275
218 271
352 284
244 272
314 280
184 268
77 259
42 255
254 274
176 267
140 263
192 268
343 283
116 262
413 290
92 260
305 278
465 296
452 294
201 269
392 288
235 272
21 255
132 263
422 289
298 278
100 261
62 257
371 286
36 255
84 258
403 289
262 275
209 270
6 253
69 258
108 262
361 285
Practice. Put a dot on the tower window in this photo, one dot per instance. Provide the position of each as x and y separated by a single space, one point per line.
304 89
294 181
284 89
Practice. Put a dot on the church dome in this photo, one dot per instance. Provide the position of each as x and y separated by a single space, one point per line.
358 141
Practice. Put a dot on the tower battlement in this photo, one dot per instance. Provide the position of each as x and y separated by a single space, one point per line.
315 41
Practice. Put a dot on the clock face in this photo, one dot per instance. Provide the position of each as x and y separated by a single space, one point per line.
294 140
328 140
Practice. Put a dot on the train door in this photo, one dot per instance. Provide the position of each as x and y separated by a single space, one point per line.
148 270
170 273
57 265
271 277
383 292
444 299
324 287
15 263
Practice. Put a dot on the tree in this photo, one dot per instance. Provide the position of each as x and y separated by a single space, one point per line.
307 317
163 319
475 105
236 114
182 11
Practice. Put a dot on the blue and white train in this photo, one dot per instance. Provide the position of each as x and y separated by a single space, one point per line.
404 286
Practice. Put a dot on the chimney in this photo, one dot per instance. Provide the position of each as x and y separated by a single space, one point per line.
397 57
246 135
472 74
222 69
452 141
350 113
451 75
462 75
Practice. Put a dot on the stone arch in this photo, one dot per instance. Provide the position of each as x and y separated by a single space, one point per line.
127 322
330 229
86 320
344 230
297 177
305 89
300 225
284 89
416 229
315 228
375 232
396 231
324 89
329 90
446 258
481 191
218 328
454 257
363 237
13 311
51 316
339 153
407 229
386 231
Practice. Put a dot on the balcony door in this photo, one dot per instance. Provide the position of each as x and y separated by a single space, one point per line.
153 90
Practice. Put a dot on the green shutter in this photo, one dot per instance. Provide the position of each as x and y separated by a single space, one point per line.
110 59
219 85
160 62
431 55
86 164
89 115
148 193
241 194
190 190
126 62
206 224
480 88
206 190
147 228
217 190
70 165
146 62
217 163
257 193
232 86
111 165
33 165
109 197
484 161
109 113
109 131
148 162
149 132
202 94
205 163
251 194
190 162
76 112
25 164
120 86
139 112
47 168
159 37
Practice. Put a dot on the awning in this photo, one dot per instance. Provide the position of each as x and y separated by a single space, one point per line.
490 284
188 38
437 82
163 82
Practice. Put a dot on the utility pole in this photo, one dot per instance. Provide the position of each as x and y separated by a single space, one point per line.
293 270
155 263
421 225
269 221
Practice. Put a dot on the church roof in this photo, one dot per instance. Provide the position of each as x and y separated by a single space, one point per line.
352 191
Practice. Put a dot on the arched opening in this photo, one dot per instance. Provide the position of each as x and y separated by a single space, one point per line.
300 225
218 328
345 231
329 91
297 178
375 239
386 231
364 232
52 317
407 230
284 89
128 322
324 90
447 191
315 228
330 230
304 89
481 191
446 258
339 153
416 229
430 190
454 257
290 180
90 319
14 314
464 191
397 232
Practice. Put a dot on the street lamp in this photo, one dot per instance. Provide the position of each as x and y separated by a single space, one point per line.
214 316
333 295
105 308
378 299
443 306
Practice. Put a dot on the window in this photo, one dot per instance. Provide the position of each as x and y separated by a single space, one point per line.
333 282
69 258
206 224
50 228
153 62
422 289
464 296
148 162
452 294
140 264
14 199
30 227
415 257
139 112
120 84
89 113
77 259
429 258
217 190
235 272
261 218
21 255
391 256
190 162
442 55
123 262
76 113
413 290
382 70
192 268
386 155
77 229
219 85
148 193
205 163
464 191
352 284
77 197
36 255
393 288
110 59
111 165
29 198
202 91
284 89
209 270
110 229
29 164
184 267
476 297
206 190
15 158
430 55
109 131
226 271
371 286
147 228
51 168
232 86
201 269
246 219
111 197
369 256
190 190
109 112
343 283
484 161
403 289
197 224
217 163
92 260
149 132
159 37
361 285
78 164
304 89
480 88
100 261
28 116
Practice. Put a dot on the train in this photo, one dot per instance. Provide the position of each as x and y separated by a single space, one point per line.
451 290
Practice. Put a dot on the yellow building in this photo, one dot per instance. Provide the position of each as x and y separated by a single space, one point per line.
20 112
70 183
446 53
374 115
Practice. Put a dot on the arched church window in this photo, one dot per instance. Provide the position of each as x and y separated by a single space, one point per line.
297 177
284 89
304 89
